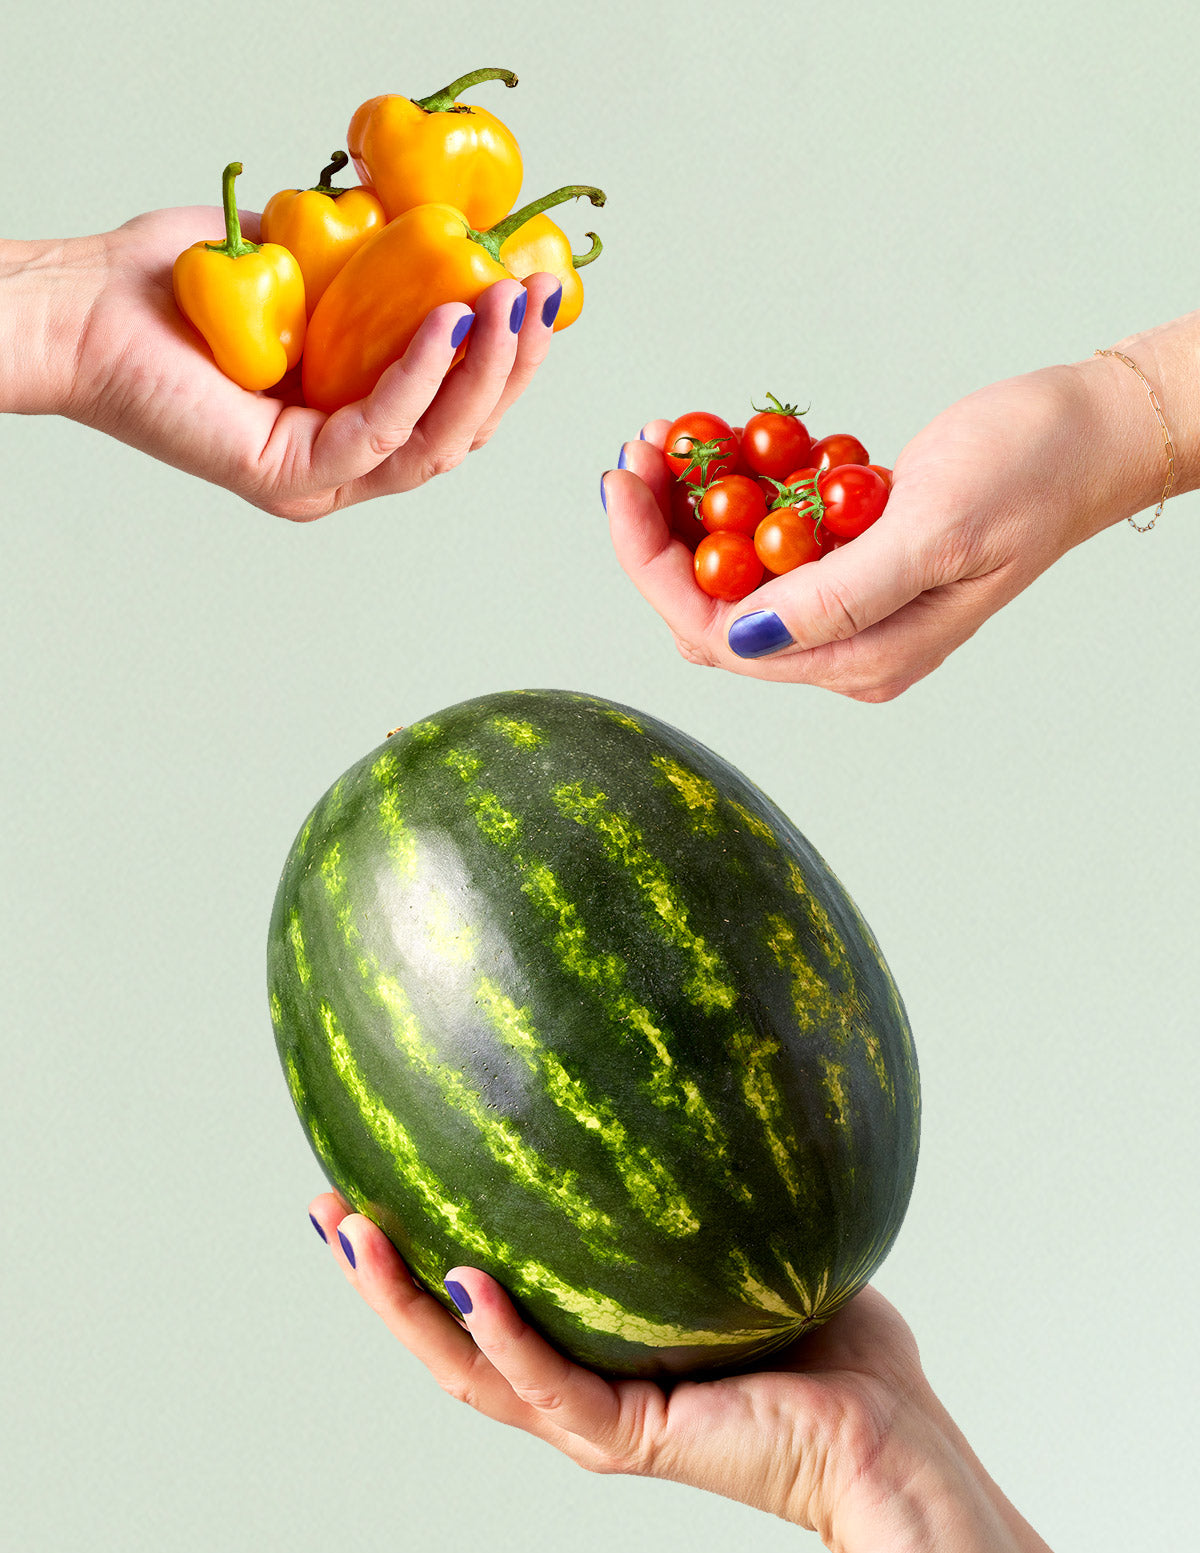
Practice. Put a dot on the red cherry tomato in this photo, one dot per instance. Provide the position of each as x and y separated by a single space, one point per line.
838 449
700 430
785 539
685 523
734 503
884 474
727 567
774 441
854 496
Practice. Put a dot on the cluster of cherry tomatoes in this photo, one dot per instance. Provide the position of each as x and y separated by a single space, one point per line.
758 500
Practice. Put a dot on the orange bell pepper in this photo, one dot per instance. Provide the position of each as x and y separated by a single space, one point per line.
322 226
246 299
376 303
437 151
540 245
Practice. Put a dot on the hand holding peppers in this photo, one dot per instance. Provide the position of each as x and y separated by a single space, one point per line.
246 299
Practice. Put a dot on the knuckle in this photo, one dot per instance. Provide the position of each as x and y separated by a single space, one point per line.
837 609
461 1388
692 652
441 462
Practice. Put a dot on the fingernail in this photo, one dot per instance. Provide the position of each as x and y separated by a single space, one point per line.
517 317
603 498
348 1249
756 635
642 435
462 328
459 1295
317 1227
550 307
622 462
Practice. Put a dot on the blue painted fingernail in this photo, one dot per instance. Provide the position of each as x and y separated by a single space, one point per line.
462 328
603 498
459 1295
517 317
756 635
550 307
348 1249
642 435
317 1227
622 462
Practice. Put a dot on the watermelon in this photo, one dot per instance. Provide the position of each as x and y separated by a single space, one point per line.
561 995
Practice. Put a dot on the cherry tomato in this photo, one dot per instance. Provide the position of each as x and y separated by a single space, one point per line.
838 449
701 430
884 474
785 539
734 503
685 523
854 496
774 441
727 567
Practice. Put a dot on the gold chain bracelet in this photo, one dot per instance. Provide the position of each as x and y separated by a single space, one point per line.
1144 528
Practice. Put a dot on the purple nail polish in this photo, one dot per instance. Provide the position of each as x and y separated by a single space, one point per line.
461 329
756 635
622 462
348 1249
603 498
517 317
550 308
317 1227
459 1295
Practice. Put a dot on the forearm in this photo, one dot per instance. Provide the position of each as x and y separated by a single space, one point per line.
46 292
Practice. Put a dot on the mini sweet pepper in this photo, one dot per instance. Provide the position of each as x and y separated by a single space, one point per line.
246 299
376 303
438 151
322 226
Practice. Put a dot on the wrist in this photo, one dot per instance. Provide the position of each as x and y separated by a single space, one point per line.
46 293
926 1491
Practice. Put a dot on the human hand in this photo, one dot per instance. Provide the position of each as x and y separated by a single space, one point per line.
97 336
842 1435
984 499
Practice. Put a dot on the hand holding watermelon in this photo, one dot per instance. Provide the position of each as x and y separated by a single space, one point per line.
842 1435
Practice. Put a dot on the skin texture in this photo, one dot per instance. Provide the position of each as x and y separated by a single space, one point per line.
843 1434
89 329
985 498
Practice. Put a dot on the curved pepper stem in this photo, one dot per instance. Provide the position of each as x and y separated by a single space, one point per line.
503 230
443 101
235 245
324 184
578 260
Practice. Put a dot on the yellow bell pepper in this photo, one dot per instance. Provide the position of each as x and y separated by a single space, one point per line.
540 245
246 299
437 151
377 302
322 226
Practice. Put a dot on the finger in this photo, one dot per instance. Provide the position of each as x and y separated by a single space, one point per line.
359 437
533 341
655 433
567 1398
646 461
472 391
659 566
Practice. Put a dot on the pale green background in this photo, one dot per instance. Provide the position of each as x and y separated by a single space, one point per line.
878 207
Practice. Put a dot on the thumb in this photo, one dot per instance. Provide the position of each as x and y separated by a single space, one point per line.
834 598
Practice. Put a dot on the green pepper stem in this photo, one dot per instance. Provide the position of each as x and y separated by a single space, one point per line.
235 245
503 230
594 252
324 184
443 101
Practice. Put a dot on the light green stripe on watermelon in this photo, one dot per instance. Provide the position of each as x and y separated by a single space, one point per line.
757 1292
320 1141
838 1108
524 735
623 843
299 953
495 821
334 880
447 932
617 715
651 1188
754 823
502 1141
753 1053
697 794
